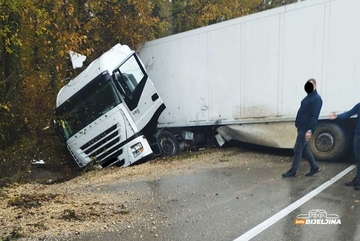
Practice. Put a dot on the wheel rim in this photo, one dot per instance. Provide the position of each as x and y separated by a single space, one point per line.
167 146
324 142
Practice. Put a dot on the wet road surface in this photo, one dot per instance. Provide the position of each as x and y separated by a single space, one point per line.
227 202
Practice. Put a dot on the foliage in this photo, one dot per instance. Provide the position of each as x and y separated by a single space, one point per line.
267 4
186 15
36 36
180 15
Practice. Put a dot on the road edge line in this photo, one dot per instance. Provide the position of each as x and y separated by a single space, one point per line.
276 217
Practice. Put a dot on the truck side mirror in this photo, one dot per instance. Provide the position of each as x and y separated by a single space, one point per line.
57 129
55 124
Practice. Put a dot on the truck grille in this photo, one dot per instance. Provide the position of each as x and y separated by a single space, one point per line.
104 147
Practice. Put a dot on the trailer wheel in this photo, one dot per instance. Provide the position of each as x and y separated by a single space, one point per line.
329 142
167 143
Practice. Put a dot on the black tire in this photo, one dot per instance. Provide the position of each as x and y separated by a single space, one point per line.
168 144
329 142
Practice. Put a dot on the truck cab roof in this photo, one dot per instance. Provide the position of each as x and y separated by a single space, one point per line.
106 62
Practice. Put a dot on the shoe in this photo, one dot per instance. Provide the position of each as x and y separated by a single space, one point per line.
357 187
354 182
289 174
313 171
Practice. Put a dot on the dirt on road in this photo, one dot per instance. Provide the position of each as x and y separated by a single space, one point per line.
45 211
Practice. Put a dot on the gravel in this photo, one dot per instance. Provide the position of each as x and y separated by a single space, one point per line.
59 210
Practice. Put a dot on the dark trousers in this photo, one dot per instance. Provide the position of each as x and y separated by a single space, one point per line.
301 149
357 154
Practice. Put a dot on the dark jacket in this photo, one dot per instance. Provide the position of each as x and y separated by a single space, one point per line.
308 113
354 111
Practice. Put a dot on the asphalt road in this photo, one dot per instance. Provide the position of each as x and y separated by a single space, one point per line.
237 203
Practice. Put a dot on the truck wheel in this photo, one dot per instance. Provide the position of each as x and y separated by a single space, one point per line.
329 142
167 143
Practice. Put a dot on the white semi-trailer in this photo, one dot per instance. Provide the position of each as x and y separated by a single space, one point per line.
244 78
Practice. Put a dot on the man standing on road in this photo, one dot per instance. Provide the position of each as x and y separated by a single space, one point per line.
306 121
354 111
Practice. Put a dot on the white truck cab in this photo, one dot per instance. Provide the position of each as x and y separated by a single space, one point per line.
108 113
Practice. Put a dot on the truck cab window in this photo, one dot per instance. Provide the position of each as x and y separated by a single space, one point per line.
82 109
128 76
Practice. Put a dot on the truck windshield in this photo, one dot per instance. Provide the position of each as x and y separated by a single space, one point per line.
87 105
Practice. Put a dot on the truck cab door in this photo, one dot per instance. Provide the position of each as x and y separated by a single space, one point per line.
138 91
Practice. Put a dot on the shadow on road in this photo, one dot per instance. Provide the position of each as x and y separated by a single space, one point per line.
347 158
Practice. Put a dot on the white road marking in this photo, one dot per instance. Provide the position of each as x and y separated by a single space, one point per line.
276 217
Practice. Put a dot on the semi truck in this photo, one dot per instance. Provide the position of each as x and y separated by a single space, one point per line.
243 79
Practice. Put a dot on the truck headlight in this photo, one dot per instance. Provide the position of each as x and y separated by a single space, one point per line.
137 149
